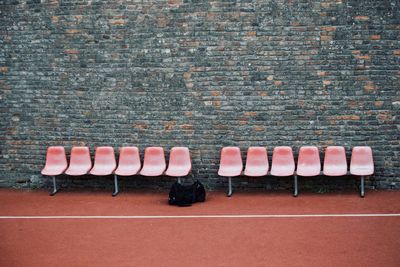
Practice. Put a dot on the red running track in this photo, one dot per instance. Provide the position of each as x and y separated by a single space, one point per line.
303 241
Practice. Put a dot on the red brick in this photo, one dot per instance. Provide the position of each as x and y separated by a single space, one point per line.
141 126
72 31
174 2
262 93
370 87
119 22
326 82
347 117
169 126
328 28
217 103
243 120
326 37
361 18
55 19
162 22
210 16
71 51
187 75
366 57
186 127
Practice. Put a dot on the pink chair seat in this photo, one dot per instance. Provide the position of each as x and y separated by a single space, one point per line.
56 161
104 161
256 162
308 163
129 161
154 162
80 162
335 163
362 162
179 162
282 161
231 162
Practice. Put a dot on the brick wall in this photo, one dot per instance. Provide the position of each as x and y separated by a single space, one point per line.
199 74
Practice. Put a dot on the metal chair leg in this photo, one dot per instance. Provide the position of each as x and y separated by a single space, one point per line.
179 180
115 186
296 188
362 191
54 187
229 194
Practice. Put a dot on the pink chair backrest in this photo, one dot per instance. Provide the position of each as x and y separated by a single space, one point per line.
308 162
129 156
80 155
56 157
105 156
257 156
335 160
361 158
283 156
154 156
180 157
231 156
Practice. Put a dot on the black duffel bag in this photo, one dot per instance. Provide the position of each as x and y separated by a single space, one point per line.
185 195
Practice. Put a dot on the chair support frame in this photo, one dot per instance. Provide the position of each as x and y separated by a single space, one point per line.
116 191
295 186
362 189
230 191
55 190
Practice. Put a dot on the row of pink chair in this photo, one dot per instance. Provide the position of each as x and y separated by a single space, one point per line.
308 163
105 163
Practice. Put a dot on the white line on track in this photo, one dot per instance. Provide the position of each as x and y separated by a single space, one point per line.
222 216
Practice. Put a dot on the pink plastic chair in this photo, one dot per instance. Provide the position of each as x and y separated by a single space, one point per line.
104 161
282 161
179 162
362 164
80 162
256 162
154 162
56 164
335 163
283 164
231 165
308 163
129 161
129 164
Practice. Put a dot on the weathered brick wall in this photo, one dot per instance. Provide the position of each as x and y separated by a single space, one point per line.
199 74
